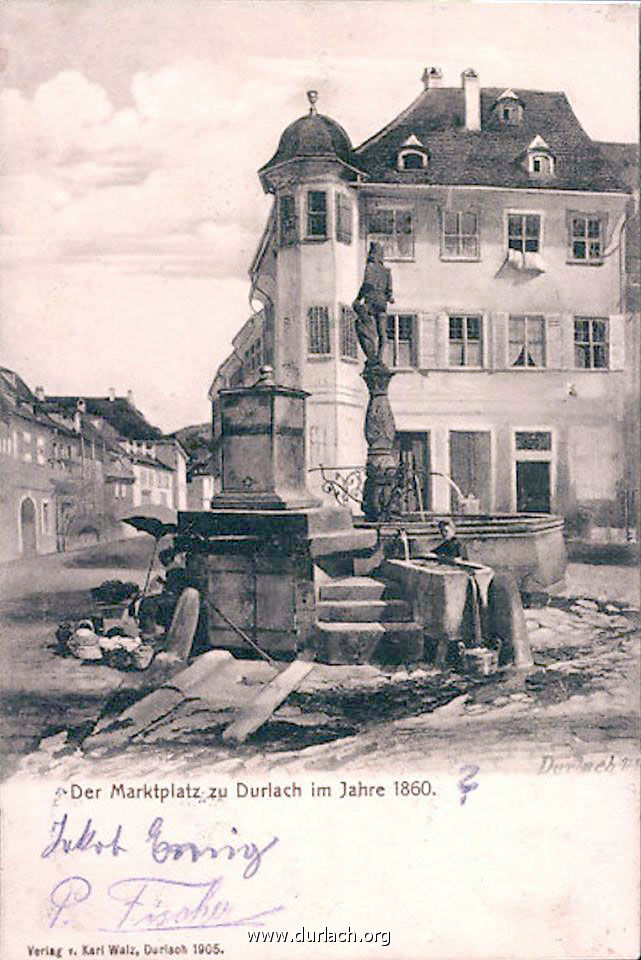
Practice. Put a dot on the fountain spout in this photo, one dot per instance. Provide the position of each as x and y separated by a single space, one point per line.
468 504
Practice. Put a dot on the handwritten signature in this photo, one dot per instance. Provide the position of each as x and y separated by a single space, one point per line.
65 841
155 904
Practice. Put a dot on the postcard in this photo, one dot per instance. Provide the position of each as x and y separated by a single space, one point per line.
319 460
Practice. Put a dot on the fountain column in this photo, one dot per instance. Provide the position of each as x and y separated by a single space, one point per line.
380 431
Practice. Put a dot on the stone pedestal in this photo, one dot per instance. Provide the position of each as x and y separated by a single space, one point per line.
261 432
380 431
258 569
257 552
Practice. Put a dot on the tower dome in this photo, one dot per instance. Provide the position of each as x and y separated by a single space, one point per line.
313 136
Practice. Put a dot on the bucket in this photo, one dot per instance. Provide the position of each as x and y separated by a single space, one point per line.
480 661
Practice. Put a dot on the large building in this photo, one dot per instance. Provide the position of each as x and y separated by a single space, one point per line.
514 346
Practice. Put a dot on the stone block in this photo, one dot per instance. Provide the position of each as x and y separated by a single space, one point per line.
275 602
234 594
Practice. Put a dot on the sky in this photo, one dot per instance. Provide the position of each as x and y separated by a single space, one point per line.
132 130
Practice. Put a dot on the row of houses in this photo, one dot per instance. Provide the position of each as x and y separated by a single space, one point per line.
72 467
513 241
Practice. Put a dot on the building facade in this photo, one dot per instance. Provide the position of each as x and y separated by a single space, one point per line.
157 464
515 351
56 474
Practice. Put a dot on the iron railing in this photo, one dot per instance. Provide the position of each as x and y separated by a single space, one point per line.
346 484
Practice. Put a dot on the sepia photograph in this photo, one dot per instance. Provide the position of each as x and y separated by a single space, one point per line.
320 474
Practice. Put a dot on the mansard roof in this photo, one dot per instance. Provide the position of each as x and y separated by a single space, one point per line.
489 156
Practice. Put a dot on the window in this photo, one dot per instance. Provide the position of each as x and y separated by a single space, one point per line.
533 440
541 164
349 349
316 213
586 238
318 334
40 450
460 238
511 115
394 229
591 343
399 347
343 218
527 342
287 220
524 232
465 342
412 160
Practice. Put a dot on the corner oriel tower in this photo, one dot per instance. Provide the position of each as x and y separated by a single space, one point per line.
313 276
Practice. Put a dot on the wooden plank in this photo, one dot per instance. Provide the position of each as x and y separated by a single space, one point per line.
201 676
271 697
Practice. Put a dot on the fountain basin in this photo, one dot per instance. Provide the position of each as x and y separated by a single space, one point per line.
441 599
528 546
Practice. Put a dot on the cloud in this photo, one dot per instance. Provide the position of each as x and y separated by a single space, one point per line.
172 170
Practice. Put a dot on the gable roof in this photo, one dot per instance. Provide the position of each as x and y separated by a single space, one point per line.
127 420
489 156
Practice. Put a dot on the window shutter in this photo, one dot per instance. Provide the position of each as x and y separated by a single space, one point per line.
499 323
485 341
617 342
442 340
426 356
554 342
440 212
567 336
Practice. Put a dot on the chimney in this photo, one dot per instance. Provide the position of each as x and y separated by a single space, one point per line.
40 394
130 398
432 77
112 394
471 89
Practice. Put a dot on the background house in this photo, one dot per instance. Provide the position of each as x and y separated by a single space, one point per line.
56 472
514 332
73 467
157 463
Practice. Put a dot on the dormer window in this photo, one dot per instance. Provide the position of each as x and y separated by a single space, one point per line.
539 158
509 109
412 155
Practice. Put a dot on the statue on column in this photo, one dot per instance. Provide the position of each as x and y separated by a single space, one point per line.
370 305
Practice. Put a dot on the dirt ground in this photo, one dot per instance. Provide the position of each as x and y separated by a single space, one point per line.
581 699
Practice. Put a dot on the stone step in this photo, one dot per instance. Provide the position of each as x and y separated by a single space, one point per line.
386 642
356 588
356 542
364 611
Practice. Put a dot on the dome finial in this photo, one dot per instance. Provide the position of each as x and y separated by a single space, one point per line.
312 96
